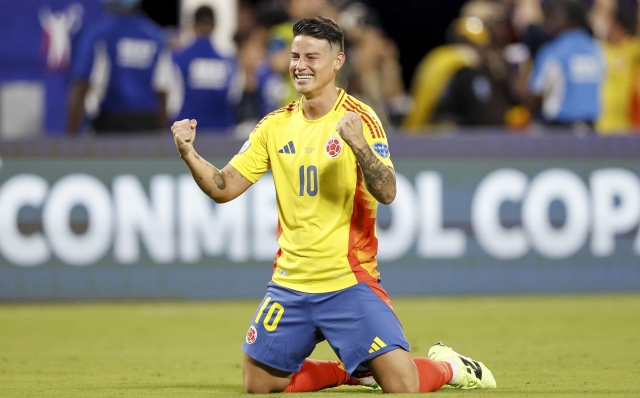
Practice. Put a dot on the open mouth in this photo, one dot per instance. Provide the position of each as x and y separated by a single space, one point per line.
303 78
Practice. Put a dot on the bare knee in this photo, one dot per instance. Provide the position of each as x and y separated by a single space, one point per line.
254 386
395 372
403 384
259 378
259 384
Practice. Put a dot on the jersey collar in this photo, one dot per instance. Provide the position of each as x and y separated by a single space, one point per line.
342 96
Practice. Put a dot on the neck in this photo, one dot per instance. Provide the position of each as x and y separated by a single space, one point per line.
202 31
316 105
616 35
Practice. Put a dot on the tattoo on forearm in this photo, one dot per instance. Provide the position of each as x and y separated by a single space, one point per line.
377 176
218 179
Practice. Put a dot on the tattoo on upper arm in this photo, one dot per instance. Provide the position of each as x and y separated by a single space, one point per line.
376 174
218 179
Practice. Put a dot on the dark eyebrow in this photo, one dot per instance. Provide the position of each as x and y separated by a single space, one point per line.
307 54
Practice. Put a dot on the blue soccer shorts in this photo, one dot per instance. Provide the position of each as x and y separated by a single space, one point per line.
357 322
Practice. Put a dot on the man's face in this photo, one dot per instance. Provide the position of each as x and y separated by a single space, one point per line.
313 64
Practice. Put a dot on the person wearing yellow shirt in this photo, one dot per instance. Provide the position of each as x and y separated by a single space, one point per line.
331 165
621 87
439 66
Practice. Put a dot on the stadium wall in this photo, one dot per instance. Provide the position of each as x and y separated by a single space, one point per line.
120 218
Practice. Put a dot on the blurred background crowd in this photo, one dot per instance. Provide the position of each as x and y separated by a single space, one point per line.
511 66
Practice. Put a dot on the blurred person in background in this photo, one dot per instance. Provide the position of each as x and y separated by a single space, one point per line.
527 23
465 82
208 80
374 74
122 71
525 19
261 86
493 14
247 17
621 86
478 95
564 85
431 78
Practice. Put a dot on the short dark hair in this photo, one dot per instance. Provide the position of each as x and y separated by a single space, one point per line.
204 14
320 28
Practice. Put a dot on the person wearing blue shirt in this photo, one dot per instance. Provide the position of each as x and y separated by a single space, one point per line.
208 79
567 71
121 73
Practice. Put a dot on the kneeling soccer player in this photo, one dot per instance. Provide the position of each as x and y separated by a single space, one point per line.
331 166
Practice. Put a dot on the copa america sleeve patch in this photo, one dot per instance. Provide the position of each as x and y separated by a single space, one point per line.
245 146
381 149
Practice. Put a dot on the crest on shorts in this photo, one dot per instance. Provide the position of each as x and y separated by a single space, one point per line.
333 147
245 146
381 149
252 335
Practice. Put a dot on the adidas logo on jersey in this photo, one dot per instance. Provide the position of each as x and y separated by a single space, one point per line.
376 345
289 148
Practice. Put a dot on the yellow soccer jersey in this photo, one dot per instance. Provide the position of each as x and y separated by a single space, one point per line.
326 215
623 66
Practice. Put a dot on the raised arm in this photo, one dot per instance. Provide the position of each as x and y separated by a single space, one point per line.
379 178
220 185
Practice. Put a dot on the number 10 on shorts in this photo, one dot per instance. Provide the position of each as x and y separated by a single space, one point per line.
270 322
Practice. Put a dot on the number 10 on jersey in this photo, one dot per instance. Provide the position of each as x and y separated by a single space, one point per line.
308 180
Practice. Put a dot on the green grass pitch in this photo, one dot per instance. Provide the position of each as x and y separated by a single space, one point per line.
536 346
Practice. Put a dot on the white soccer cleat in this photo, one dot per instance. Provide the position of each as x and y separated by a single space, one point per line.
473 374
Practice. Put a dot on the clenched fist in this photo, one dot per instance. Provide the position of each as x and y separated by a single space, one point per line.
350 129
184 133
